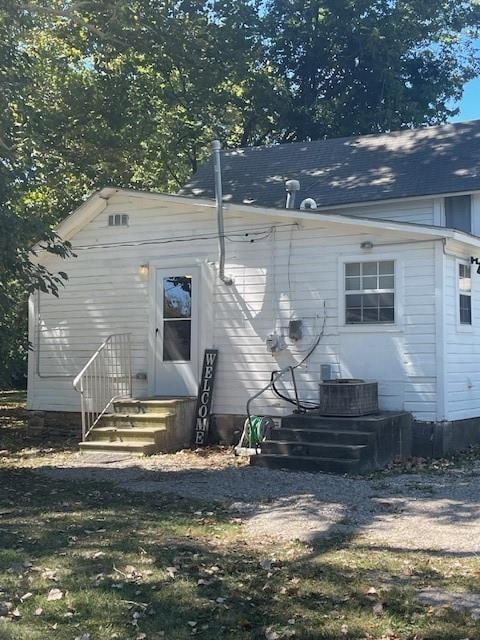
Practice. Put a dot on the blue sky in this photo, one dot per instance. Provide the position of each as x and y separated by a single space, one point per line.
470 104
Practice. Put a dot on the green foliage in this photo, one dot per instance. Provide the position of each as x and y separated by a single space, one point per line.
130 94
357 66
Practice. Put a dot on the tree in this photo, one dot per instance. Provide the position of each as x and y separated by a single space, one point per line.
131 93
19 273
366 66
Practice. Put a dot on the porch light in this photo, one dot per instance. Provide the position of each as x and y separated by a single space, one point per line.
143 269
366 244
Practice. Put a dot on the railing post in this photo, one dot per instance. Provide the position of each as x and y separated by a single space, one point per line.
82 405
130 366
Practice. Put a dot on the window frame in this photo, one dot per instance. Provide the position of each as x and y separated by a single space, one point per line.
398 292
463 326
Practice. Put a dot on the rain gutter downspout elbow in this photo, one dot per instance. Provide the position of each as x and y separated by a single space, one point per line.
216 146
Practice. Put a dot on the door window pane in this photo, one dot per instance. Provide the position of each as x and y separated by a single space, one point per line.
177 297
177 340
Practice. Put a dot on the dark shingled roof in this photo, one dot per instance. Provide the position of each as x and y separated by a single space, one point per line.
433 160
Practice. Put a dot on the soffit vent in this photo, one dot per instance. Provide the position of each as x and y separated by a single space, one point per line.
118 220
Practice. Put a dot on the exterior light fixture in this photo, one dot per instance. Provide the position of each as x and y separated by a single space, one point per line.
367 244
143 269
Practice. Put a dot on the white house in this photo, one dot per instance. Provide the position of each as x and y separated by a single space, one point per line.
380 272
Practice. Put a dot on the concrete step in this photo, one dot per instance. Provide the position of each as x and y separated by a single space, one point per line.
137 420
155 405
141 434
322 436
308 463
371 423
316 450
134 448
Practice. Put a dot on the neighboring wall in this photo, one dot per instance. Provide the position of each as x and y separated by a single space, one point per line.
462 349
289 271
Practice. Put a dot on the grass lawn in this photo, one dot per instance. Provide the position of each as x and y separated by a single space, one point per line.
88 562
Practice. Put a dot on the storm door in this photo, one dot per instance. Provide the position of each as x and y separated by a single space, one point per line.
176 332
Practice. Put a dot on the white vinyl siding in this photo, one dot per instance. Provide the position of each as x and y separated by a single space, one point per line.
462 369
292 271
416 211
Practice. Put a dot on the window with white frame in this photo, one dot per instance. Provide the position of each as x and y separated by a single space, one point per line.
465 293
370 292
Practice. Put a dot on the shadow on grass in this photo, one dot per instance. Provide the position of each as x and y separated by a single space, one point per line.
133 564
14 435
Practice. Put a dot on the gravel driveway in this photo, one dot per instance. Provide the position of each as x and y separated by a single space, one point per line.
427 511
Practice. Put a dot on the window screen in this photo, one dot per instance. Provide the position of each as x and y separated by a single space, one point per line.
370 292
458 213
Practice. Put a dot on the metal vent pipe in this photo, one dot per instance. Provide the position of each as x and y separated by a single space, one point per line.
216 146
291 187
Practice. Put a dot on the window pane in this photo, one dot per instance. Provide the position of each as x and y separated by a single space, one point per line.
458 213
465 309
465 282
177 297
352 284
386 267
386 315
386 282
352 269
370 300
370 315
369 282
353 300
176 339
353 316
386 299
370 268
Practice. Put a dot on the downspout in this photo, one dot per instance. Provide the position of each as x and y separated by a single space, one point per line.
216 146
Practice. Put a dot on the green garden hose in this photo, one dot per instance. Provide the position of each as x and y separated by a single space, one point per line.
255 435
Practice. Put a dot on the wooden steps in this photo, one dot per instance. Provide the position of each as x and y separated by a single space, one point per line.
143 427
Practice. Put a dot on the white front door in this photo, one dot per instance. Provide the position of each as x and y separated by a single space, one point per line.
176 331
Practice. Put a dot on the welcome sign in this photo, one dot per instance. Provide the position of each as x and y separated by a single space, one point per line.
201 424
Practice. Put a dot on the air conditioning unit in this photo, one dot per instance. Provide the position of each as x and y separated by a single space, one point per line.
348 397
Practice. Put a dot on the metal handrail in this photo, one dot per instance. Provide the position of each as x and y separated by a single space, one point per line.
106 377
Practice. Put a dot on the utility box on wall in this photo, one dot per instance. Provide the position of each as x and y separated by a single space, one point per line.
345 397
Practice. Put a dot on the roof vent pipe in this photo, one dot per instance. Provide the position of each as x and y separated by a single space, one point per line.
308 203
216 146
291 186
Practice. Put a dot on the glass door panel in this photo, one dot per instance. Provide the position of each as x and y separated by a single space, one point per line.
177 318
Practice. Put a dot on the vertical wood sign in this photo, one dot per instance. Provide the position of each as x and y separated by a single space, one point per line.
204 400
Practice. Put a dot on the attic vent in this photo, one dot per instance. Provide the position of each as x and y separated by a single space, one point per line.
118 220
